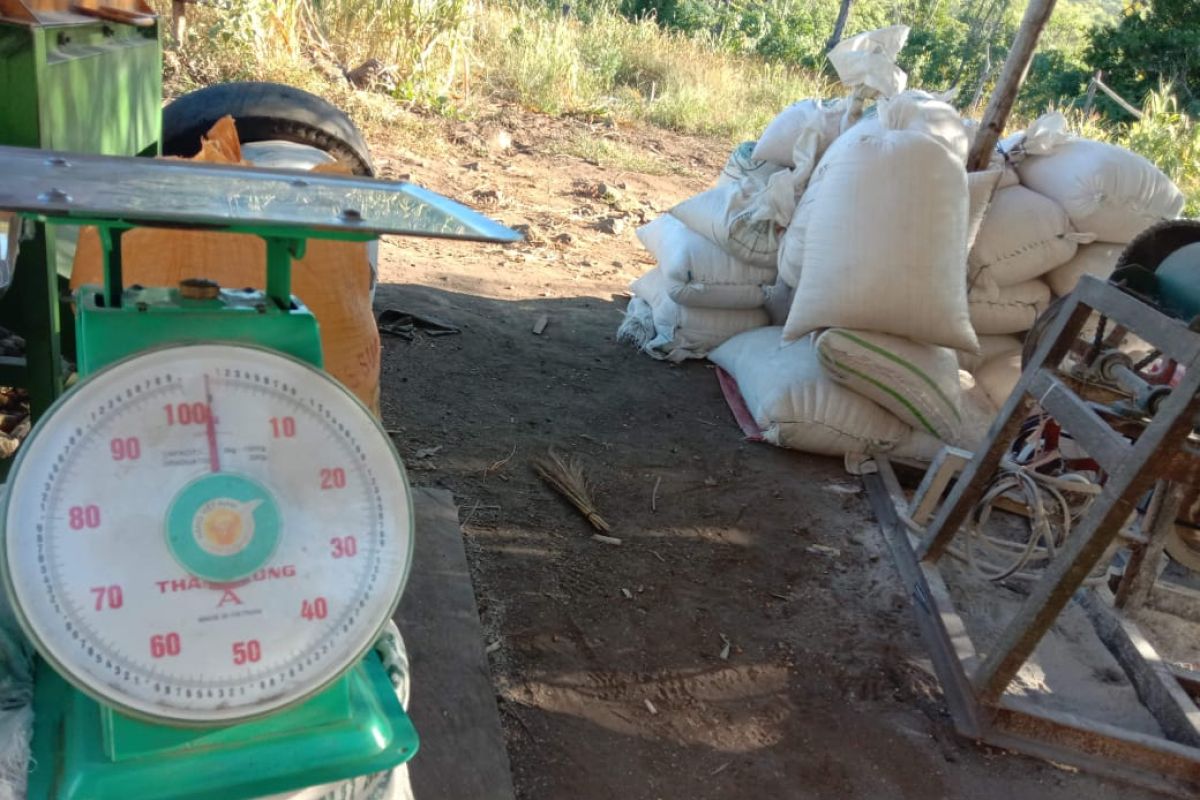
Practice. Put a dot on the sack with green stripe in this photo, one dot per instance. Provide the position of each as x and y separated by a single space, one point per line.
917 382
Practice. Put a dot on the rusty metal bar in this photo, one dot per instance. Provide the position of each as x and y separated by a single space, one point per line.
1117 501
1169 335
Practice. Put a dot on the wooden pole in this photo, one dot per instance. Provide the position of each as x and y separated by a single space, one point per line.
1037 14
1091 94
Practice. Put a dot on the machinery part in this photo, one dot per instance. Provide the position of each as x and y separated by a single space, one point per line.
1162 267
264 111
1183 545
1116 367
206 533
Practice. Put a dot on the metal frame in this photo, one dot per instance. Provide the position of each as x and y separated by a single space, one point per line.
974 683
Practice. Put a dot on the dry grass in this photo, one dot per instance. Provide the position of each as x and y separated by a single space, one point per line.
453 56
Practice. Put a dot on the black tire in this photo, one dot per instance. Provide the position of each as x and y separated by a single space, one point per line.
1151 246
264 111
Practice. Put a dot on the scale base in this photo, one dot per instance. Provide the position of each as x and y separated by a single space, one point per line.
85 751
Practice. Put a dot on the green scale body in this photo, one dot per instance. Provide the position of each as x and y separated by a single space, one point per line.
355 727
84 749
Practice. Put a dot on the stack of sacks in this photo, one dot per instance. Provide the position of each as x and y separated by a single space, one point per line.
1107 193
1078 204
897 285
717 252
697 297
876 253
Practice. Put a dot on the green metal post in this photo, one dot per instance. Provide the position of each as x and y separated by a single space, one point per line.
31 309
110 243
280 253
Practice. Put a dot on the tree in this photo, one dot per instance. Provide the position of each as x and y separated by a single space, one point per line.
840 25
1156 42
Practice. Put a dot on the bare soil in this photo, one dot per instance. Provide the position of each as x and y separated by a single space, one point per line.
748 638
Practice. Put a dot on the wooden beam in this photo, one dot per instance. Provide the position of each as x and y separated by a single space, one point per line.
1151 677
945 634
1037 14
1141 572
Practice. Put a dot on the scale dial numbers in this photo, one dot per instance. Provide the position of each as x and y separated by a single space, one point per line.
206 533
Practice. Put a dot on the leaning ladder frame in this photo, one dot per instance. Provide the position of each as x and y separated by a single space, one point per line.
974 686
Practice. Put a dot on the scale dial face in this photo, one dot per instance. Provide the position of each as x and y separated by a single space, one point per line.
206 533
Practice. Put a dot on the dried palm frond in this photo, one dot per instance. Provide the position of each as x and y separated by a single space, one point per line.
566 477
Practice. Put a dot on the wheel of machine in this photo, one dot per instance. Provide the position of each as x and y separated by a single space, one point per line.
265 111
1134 271
1157 242
1183 545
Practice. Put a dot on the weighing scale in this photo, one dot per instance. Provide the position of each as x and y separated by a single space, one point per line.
205 537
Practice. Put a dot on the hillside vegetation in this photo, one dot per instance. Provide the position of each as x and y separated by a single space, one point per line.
720 68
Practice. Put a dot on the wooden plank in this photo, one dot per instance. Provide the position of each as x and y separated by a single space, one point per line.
1141 573
1116 98
1157 688
948 462
941 627
1037 14
1146 761
453 703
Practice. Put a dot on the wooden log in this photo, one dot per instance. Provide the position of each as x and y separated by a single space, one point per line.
1037 14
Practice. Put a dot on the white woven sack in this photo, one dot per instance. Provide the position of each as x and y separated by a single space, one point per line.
918 383
779 301
742 219
999 377
698 273
791 241
815 122
885 242
797 405
1024 235
742 165
981 186
1012 309
1106 190
978 412
869 59
662 328
1097 259
915 110
990 346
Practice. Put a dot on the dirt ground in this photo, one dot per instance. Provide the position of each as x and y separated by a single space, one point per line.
608 660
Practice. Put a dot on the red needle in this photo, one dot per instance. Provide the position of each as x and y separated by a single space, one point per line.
214 458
